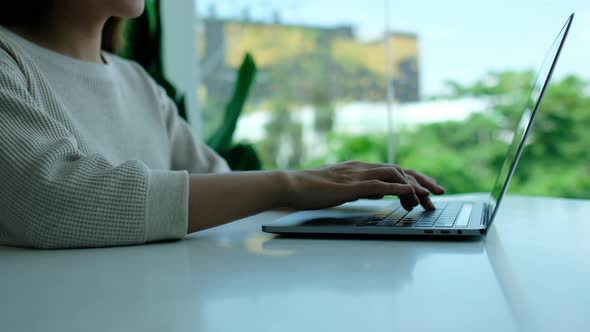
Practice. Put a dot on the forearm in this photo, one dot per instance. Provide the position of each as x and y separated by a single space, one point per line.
216 199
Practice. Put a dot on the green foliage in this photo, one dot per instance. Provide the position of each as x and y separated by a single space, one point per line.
143 45
143 37
465 156
240 157
504 84
304 80
222 138
283 146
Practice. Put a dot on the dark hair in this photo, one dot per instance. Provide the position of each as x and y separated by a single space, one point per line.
112 35
24 11
32 12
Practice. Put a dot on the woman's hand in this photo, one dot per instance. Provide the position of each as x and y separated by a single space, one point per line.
215 199
334 185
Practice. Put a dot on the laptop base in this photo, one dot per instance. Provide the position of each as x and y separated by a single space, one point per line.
347 221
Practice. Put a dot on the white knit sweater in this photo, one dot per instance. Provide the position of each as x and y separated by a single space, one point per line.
90 154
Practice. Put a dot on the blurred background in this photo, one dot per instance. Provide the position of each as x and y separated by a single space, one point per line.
455 76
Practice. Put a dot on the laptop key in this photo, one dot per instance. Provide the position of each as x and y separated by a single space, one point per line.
424 225
445 223
427 221
397 214
384 217
378 217
463 218
430 217
385 224
370 222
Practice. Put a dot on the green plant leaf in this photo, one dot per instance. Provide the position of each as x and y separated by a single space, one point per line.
242 157
221 140
143 45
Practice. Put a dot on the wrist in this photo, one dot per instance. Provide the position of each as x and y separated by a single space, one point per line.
285 184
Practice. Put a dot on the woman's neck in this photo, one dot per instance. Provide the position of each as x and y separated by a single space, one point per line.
76 39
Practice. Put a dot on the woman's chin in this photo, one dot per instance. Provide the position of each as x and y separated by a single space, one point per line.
125 8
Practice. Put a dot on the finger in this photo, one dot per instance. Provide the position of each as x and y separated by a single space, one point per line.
426 203
422 194
393 175
420 190
398 169
381 165
373 188
408 202
401 172
385 174
427 182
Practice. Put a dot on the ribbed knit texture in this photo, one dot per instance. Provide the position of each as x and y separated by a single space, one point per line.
90 154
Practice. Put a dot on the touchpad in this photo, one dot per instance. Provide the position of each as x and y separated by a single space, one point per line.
328 217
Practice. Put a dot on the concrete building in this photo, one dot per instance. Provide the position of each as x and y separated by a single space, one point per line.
306 63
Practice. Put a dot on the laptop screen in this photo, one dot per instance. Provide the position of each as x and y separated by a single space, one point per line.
524 125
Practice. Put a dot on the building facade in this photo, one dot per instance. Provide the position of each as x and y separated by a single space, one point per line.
302 63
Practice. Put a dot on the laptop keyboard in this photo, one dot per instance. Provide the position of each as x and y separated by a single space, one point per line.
444 216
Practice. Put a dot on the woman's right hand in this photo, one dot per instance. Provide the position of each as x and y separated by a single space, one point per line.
337 184
215 199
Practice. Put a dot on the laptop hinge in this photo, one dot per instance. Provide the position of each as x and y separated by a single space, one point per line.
486 215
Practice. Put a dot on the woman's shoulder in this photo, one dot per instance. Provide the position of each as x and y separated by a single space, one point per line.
122 64
11 54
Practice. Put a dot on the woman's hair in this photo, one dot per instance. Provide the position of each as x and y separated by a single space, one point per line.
112 35
31 12
23 12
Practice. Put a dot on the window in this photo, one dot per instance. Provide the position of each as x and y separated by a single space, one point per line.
456 80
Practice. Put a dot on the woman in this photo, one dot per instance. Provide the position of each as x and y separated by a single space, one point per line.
93 153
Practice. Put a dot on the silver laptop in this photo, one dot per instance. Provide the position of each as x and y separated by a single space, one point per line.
452 218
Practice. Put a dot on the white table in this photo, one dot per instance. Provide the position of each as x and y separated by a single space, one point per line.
531 273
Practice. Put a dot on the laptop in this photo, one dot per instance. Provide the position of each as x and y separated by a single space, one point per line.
451 218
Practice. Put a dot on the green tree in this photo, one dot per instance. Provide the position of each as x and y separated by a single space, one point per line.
283 144
466 156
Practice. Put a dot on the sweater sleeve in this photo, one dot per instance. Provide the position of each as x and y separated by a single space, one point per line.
55 196
188 152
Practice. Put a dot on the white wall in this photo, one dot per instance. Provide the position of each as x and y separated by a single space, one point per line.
180 53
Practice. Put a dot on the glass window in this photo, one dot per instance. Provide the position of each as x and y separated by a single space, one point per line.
454 76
